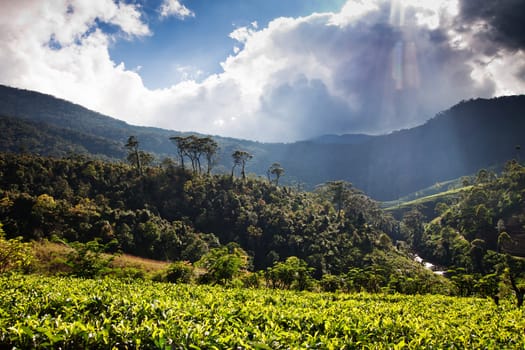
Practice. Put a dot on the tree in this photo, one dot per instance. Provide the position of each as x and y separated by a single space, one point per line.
277 171
338 192
504 240
515 270
182 147
87 259
144 158
477 251
223 264
133 146
194 147
413 226
209 148
331 283
293 273
194 152
240 158
180 272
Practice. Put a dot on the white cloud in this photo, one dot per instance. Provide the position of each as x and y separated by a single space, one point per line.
366 68
355 10
175 8
77 66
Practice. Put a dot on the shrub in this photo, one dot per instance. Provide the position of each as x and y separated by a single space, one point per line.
14 254
180 272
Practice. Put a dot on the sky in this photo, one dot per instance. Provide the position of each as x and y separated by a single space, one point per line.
265 70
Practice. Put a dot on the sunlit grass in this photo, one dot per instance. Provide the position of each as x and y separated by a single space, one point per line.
51 312
50 257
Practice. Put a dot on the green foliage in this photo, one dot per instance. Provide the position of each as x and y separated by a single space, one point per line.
194 148
240 158
14 254
293 273
277 171
43 312
223 264
174 215
87 259
478 237
146 159
180 272
331 283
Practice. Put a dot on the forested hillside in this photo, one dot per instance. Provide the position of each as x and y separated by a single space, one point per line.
479 236
66 121
471 135
174 214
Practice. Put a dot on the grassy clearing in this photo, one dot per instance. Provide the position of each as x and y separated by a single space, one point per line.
50 257
146 265
424 200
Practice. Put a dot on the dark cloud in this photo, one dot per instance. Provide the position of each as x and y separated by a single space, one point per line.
503 21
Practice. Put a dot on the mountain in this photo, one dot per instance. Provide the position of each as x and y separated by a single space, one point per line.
22 136
57 118
472 135
345 139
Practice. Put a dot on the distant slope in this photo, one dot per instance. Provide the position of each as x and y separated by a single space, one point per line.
72 119
20 136
37 107
427 204
346 139
471 135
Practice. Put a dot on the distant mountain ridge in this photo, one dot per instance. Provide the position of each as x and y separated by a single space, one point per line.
345 139
471 135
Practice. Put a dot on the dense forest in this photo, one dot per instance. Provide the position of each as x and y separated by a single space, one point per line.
470 136
175 214
335 235
479 236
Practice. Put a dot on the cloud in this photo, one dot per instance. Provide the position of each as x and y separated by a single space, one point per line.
56 47
374 66
336 73
495 31
175 8
500 24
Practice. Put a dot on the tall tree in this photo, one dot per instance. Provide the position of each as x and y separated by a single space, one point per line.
146 159
182 147
209 148
337 192
240 158
133 146
194 147
276 170
413 226
194 152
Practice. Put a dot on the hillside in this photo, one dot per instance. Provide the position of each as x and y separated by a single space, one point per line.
489 215
170 214
471 135
337 233
173 215
25 136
